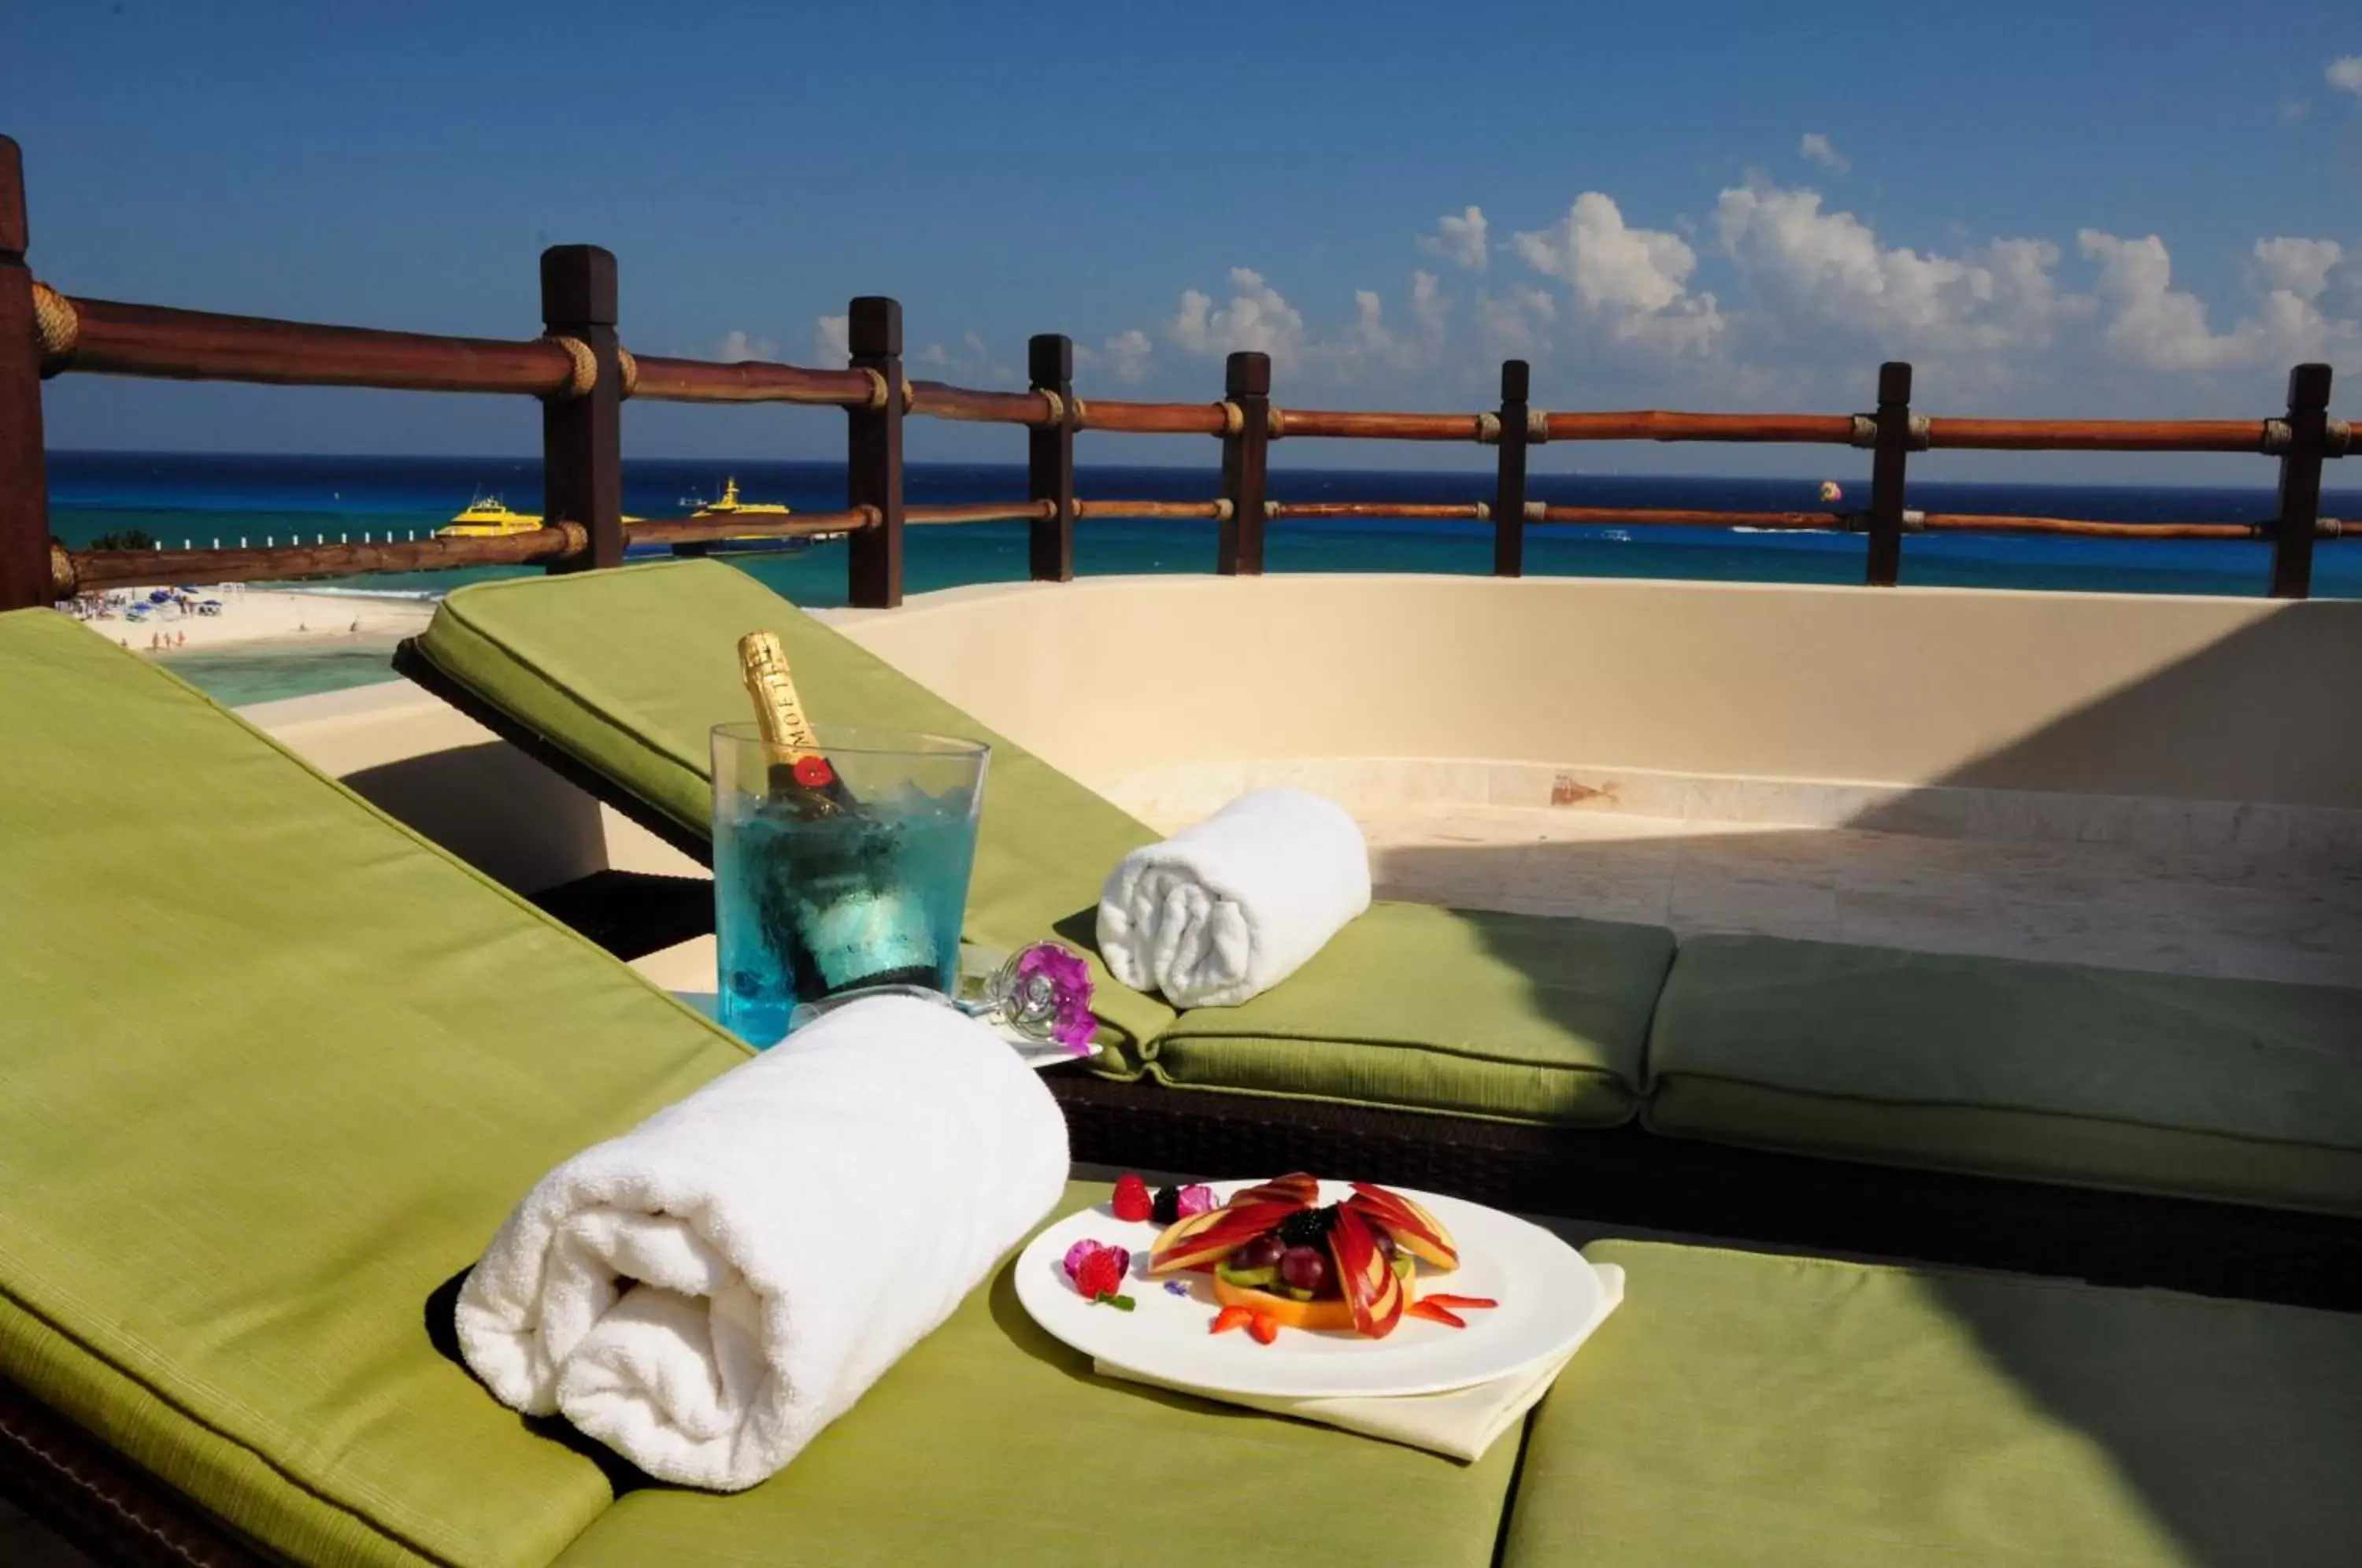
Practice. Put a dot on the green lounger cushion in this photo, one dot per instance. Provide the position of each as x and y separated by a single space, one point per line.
626 670
1742 1409
2241 1090
992 1443
1513 1016
271 1071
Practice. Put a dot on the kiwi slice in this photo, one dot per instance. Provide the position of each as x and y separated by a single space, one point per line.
1252 1278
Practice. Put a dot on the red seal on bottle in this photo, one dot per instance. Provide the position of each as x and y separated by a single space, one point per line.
814 773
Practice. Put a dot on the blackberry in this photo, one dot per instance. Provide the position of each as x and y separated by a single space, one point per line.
1165 1208
1308 1227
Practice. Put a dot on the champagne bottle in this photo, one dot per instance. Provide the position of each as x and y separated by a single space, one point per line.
827 884
801 776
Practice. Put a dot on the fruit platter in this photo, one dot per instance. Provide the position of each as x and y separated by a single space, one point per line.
1296 1287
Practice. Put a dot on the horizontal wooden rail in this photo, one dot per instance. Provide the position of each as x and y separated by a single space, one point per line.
1216 509
979 511
1292 423
765 525
1476 510
1977 522
82 571
1653 425
749 380
937 400
1680 517
2101 435
191 345
1157 418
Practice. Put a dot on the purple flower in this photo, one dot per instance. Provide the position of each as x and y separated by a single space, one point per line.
1175 1288
1053 982
1194 1199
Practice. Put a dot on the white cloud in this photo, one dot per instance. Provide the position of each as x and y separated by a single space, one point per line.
832 340
1460 239
1515 324
2153 325
1125 355
1827 271
736 344
1635 282
1815 147
1257 318
2299 267
2344 73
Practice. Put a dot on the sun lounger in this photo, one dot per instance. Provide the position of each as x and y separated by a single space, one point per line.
272 1070
229 1243
619 674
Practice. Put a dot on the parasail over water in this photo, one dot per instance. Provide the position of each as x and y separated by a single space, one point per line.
1831 492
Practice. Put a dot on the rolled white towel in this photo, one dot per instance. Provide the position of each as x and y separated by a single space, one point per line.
1229 908
708 1291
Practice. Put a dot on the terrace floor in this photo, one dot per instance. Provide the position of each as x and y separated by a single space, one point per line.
2256 915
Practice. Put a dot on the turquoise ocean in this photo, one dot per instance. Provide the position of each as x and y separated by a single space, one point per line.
177 497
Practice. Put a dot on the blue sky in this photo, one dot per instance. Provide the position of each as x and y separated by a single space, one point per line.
2047 210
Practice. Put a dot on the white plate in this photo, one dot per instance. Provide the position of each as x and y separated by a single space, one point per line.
1546 1292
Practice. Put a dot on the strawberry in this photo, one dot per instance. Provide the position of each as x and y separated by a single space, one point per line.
1263 1327
1132 1200
1230 1318
1101 1273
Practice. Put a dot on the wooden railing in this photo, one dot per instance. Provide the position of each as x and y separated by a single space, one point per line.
583 375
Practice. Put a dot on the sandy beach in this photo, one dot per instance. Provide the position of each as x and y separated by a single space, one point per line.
281 617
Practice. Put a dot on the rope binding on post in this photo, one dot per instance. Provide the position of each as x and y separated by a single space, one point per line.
582 370
1275 422
1865 431
1222 507
2336 438
56 326
1488 429
1234 418
64 578
1537 426
877 399
1056 405
630 368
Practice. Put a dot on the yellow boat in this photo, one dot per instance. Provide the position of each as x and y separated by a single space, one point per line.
488 517
731 506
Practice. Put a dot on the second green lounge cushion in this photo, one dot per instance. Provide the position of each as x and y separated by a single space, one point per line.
628 670
1745 1410
1515 1017
1534 1019
271 1071
2240 1091
992 1443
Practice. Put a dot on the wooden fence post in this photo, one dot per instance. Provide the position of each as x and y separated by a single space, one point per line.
1886 463
873 472
1509 489
1050 459
2308 421
24 484
582 437
1246 385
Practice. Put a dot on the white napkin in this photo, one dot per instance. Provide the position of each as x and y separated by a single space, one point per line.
708 1291
1460 1423
1227 908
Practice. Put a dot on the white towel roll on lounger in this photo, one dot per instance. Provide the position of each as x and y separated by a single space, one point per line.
1229 908
708 1291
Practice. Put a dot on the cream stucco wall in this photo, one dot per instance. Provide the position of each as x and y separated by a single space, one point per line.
2107 695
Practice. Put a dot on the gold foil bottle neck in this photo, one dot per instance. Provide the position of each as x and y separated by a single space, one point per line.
779 711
